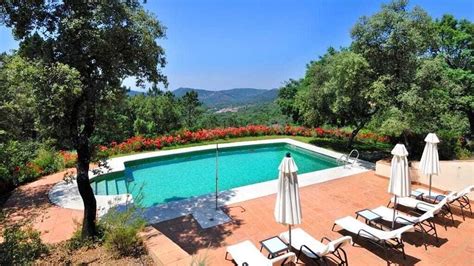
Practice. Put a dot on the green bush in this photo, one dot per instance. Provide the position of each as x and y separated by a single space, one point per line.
49 161
121 231
76 241
451 147
20 246
14 157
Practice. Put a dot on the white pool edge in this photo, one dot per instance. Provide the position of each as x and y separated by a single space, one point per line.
67 196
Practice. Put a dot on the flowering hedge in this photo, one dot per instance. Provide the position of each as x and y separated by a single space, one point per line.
45 163
50 161
139 143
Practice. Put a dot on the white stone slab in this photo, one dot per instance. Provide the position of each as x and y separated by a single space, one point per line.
211 217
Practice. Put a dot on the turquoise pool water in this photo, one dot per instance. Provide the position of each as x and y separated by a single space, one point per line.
170 178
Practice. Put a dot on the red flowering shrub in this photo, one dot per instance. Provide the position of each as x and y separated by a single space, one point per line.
139 143
70 158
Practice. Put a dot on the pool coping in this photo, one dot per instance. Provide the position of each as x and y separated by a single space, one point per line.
66 195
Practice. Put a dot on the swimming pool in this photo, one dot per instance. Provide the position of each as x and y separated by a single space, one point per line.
169 178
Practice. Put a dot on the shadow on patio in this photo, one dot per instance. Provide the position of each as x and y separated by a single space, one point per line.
186 232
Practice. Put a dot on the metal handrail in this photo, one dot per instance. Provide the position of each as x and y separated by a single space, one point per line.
341 159
356 158
345 158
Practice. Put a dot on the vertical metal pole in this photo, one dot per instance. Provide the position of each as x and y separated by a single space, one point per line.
429 193
289 234
217 172
394 210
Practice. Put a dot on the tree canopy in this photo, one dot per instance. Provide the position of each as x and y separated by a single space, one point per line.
413 72
103 43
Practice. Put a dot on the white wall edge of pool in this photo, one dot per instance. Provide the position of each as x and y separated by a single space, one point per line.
66 195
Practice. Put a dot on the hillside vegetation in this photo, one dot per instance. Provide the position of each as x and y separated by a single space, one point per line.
231 98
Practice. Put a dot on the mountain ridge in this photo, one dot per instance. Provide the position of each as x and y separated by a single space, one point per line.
231 97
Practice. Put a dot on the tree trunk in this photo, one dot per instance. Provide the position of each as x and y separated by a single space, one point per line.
85 189
354 134
406 142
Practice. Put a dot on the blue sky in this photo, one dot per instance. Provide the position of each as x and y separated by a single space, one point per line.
223 44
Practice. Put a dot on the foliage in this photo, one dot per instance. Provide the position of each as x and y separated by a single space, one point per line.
416 74
69 158
48 161
155 114
21 162
191 110
265 114
121 231
137 144
200 260
456 47
76 241
20 246
17 101
15 158
286 99
342 94
368 150
94 46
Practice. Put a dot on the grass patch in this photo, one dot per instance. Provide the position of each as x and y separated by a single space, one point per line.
368 151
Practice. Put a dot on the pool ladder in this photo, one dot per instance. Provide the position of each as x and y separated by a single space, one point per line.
345 158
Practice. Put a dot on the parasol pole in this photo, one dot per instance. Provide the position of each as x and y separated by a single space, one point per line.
217 173
394 210
429 194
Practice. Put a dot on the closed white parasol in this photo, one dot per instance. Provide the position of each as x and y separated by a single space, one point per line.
288 206
400 181
429 163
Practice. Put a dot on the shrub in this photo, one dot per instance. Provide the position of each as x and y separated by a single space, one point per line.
14 156
139 143
69 158
76 241
49 161
449 143
21 246
121 231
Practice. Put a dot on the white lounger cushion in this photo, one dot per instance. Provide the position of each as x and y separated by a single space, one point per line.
451 196
435 194
247 252
387 214
414 203
353 225
299 238
421 205
465 191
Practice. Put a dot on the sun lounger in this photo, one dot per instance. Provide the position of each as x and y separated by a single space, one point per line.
439 208
424 222
460 197
245 253
317 250
384 239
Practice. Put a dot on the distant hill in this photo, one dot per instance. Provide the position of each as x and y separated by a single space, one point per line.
135 93
232 97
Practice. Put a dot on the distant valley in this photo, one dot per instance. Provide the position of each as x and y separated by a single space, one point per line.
231 98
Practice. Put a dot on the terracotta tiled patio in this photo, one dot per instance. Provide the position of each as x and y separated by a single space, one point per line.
29 204
322 204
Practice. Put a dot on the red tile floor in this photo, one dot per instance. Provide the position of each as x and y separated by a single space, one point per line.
322 204
29 204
